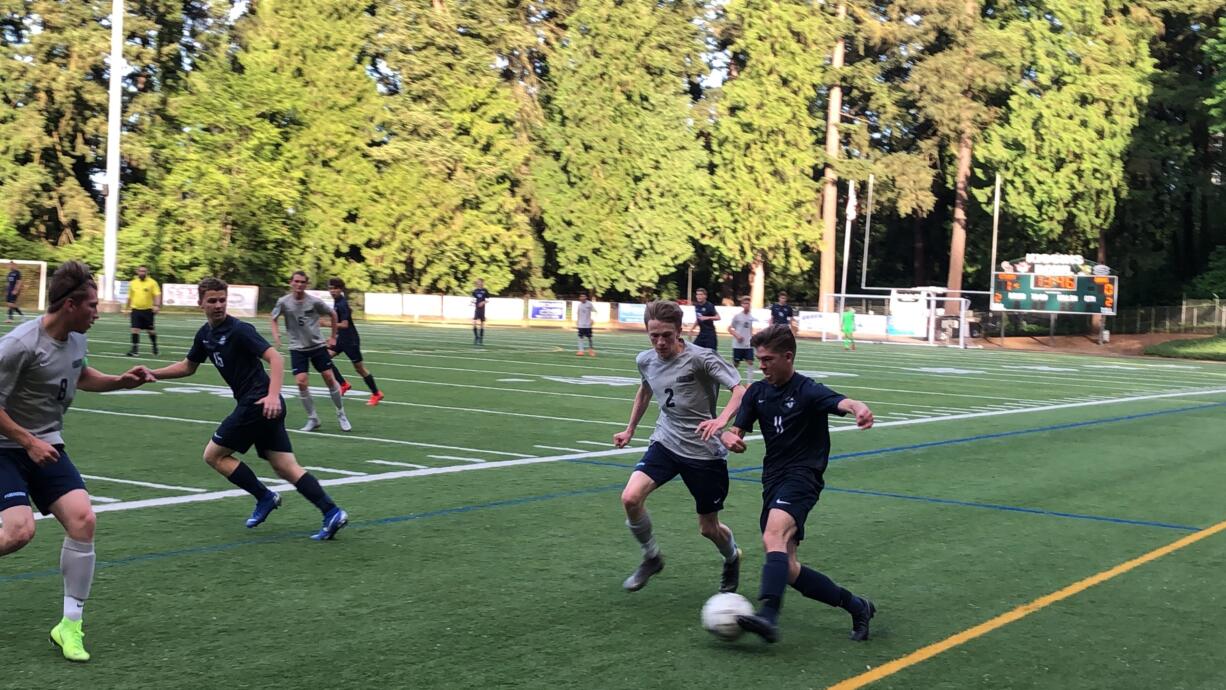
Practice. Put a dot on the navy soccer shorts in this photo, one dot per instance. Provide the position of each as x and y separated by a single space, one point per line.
706 339
351 349
707 480
795 492
246 426
585 333
742 354
303 360
141 319
479 314
10 298
23 480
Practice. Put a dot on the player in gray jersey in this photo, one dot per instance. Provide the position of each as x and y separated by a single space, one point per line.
583 319
685 379
741 330
308 347
42 365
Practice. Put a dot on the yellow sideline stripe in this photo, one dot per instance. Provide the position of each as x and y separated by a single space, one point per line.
1020 612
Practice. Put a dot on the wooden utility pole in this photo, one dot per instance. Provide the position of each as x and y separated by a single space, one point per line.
830 186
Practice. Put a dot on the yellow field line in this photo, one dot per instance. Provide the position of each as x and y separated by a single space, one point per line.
1020 612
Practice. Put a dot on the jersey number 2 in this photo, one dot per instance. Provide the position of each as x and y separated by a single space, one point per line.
668 397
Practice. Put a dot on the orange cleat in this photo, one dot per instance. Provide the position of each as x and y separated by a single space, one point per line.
345 387
593 352
374 399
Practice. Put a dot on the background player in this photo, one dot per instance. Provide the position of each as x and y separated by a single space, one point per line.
705 317
12 290
792 409
145 300
686 380
42 365
783 313
583 318
480 297
307 347
741 330
849 328
237 351
348 342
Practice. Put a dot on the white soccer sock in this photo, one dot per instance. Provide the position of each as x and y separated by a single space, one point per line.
642 532
77 566
581 346
309 403
338 400
728 551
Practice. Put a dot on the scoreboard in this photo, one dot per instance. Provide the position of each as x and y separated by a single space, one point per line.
1075 294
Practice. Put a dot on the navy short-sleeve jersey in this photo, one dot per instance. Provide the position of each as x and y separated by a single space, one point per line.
794 421
343 313
235 348
480 295
781 313
11 281
705 309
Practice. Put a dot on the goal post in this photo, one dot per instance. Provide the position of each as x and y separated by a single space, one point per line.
34 277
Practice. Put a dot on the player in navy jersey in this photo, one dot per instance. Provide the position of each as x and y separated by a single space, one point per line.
792 411
347 341
782 312
480 297
12 290
238 352
705 317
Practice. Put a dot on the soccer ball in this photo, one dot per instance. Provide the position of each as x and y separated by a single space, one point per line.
720 612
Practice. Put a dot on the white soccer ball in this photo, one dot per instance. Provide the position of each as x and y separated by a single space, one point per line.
720 612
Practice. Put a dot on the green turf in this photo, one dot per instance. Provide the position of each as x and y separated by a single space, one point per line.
1202 348
510 576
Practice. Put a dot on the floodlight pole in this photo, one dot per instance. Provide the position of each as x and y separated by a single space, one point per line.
868 223
850 214
1004 316
110 243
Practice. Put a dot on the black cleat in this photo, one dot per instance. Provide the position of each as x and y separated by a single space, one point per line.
731 577
638 579
860 619
131 353
155 350
760 626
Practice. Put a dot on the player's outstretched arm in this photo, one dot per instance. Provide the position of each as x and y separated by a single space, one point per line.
713 426
178 370
95 381
733 439
641 400
864 416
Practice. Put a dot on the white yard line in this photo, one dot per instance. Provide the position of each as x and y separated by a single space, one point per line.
564 449
393 463
329 470
461 459
102 499
149 485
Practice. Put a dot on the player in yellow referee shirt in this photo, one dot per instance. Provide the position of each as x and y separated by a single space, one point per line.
144 299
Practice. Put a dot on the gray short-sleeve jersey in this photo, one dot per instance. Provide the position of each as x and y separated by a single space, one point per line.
38 379
686 387
584 314
742 326
302 320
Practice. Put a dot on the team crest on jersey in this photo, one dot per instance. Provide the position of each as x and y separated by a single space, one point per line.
688 378
789 403
221 340
76 364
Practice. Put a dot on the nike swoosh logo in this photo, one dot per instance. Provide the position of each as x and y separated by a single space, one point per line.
782 503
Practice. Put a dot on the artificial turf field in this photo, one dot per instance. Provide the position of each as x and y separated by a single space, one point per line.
487 544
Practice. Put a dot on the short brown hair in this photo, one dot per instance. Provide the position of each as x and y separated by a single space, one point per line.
211 284
336 283
300 273
663 310
742 298
702 290
72 280
776 338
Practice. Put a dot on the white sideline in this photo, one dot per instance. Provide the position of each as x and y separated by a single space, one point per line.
396 464
456 457
150 485
451 469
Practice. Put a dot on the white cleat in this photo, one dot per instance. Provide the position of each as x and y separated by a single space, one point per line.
343 421
312 424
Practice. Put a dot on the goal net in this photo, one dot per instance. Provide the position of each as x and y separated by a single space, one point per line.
32 295
905 315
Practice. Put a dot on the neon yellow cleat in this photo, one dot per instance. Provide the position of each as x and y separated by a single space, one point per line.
70 639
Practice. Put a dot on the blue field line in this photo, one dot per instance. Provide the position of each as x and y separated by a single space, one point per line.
291 536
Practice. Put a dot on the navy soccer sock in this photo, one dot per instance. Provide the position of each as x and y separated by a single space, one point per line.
153 339
815 585
245 479
370 383
309 487
135 341
336 373
475 334
774 581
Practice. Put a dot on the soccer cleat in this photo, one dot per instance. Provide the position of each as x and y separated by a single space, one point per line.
70 639
731 577
374 399
333 522
155 350
592 352
761 626
860 619
131 353
638 579
312 423
343 421
345 387
580 353
263 507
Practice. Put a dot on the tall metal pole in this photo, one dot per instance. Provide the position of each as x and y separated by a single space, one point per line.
851 215
110 243
995 228
868 224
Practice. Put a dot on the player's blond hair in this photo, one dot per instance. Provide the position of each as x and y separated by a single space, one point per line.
666 311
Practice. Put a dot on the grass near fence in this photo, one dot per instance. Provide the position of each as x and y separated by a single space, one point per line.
1205 348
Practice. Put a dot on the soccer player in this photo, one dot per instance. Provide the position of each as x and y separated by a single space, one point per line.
849 328
42 365
792 410
12 290
783 313
480 297
145 300
705 317
348 342
686 380
741 330
236 350
583 315
308 348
